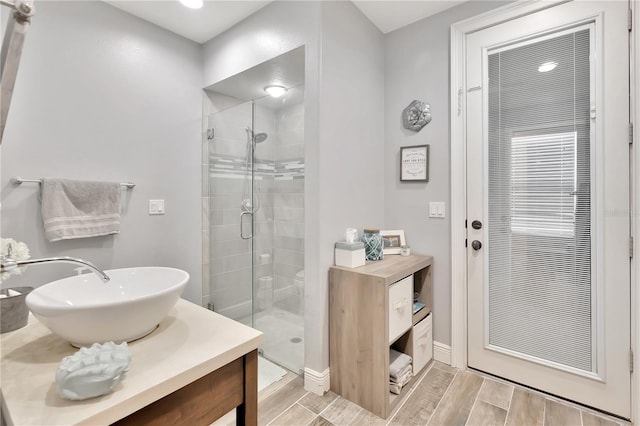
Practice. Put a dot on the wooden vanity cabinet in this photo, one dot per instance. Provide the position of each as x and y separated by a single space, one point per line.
371 310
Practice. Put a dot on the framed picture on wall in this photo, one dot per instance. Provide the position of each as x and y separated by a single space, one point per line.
414 163
392 241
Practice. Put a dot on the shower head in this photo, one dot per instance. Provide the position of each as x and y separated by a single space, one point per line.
255 137
260 137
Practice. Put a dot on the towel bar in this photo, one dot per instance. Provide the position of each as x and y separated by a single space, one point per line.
19 181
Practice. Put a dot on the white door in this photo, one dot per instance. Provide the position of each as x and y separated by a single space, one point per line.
548 184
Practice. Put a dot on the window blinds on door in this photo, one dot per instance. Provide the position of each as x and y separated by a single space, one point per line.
539 200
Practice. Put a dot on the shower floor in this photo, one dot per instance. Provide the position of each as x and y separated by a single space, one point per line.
283 337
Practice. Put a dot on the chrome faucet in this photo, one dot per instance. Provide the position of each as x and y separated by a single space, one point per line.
7 263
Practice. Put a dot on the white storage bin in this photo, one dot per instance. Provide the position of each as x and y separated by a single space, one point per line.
350 255
400 307
422 344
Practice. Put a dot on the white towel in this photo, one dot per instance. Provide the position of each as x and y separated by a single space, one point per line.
394 388
396 385
404 376
79 209
397 361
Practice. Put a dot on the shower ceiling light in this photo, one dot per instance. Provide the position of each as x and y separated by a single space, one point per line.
275 91
192 4
548 66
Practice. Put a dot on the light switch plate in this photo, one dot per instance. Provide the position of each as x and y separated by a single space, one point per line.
156 206
437 209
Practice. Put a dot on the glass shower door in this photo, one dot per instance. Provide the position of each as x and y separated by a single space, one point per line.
279 227
256 229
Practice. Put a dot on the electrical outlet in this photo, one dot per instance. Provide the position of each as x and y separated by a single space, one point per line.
156 206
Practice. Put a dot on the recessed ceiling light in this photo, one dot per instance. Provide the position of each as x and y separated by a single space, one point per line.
275 91
192 4
548 66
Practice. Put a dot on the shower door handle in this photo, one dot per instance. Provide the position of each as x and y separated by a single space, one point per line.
242 226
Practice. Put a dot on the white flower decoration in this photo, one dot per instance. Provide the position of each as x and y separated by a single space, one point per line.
18 251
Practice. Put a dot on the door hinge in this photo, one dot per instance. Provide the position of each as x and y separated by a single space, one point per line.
630 247
631 361
630 133
630 19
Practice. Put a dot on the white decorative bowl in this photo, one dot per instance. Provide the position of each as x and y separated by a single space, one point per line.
84 310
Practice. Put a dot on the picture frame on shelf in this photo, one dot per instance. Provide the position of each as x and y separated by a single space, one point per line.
392 241
414 163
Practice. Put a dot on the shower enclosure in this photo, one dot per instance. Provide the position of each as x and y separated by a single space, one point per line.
255 209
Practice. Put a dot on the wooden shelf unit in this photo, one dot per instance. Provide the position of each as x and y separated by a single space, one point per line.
359 327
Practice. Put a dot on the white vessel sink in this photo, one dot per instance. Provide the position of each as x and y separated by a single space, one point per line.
85 310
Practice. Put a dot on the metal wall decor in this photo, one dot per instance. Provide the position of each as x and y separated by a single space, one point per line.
416 115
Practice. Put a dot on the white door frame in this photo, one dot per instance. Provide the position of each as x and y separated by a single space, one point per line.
458 178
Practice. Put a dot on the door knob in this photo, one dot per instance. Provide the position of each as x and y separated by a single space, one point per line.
476 245
476 224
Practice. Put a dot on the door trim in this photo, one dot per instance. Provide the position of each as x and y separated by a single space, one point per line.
634 86
458 178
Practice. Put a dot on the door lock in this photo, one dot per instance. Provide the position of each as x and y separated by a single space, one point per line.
476 245
476 224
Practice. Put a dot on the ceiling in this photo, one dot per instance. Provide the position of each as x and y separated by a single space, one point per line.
389 15
216 16
198 25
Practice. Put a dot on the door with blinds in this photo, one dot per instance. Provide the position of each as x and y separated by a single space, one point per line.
548 202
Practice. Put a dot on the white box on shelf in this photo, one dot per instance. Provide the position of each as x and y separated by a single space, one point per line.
422 344
349 255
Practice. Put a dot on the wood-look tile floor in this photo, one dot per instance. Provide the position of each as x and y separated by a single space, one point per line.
441 396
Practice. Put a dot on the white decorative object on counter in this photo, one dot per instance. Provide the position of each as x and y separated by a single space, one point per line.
351 235
350 255
93 371
15 250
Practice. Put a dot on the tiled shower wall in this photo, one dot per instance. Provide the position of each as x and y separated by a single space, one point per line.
279 222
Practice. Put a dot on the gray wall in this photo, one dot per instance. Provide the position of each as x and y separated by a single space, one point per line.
351 146
343 135
273 30
417 67
103 95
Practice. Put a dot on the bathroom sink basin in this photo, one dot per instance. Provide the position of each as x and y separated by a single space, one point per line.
85 310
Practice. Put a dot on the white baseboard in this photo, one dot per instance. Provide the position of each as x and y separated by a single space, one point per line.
315 382
442 352
319 383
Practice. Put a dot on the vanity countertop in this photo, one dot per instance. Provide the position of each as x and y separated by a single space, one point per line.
190 343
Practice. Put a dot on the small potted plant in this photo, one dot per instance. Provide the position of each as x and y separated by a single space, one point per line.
13 310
